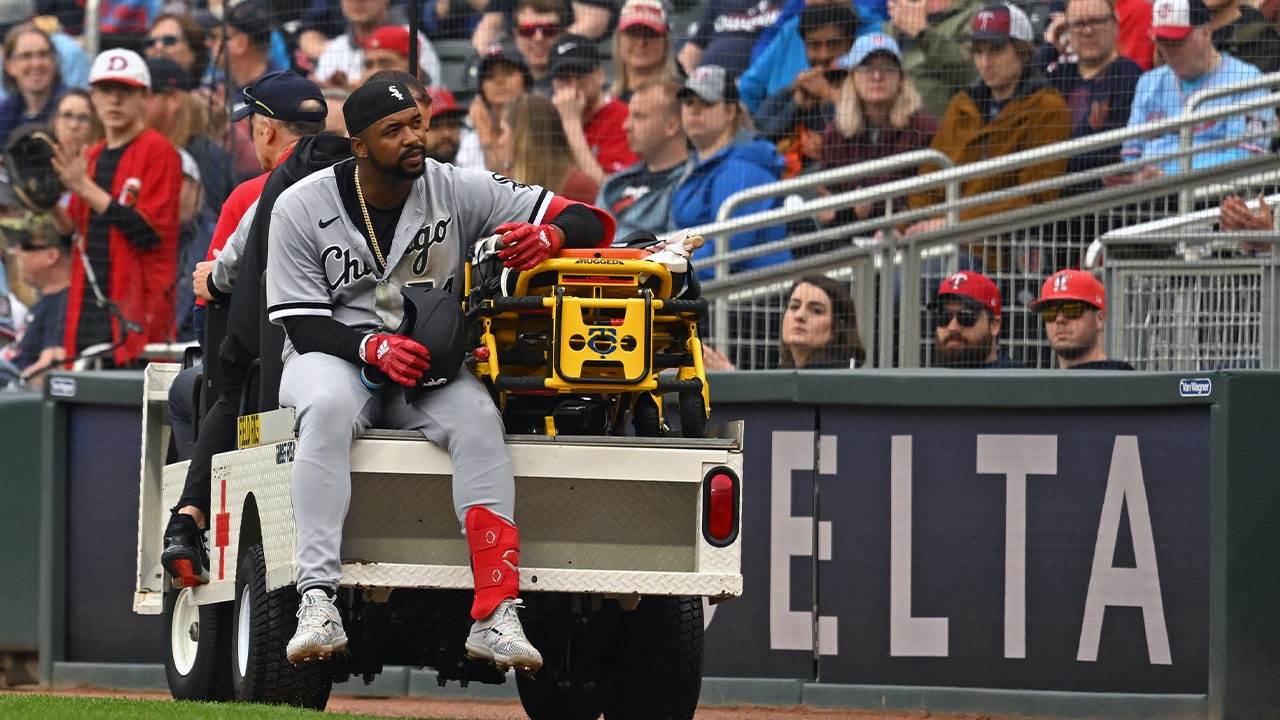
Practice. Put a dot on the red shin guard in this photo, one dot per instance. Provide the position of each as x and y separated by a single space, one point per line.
495 560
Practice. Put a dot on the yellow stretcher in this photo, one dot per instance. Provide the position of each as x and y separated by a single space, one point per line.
588 339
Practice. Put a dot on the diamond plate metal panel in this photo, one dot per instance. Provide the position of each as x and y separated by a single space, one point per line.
536 579
628 525
153 500
264 473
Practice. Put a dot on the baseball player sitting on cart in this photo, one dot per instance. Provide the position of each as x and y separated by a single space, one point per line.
343 242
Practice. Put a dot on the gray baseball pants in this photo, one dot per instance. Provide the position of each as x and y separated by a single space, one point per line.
334 408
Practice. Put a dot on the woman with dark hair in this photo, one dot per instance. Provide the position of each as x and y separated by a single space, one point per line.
32 78
819 326
537 149
74 122
819 329
504 76
182 38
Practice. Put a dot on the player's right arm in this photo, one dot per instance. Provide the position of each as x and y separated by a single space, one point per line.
299 299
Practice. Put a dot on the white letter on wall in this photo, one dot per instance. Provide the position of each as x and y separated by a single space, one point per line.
1125 587
1016 457
908 636
791 536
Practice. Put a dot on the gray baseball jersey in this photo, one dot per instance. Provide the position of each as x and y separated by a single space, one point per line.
226 267
321 264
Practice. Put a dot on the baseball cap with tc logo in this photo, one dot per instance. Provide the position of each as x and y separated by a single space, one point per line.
971 287
1000 23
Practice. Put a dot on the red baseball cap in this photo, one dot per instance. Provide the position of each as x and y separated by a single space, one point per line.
971 286
390 37
443 102
646 13
1175 19
1072 285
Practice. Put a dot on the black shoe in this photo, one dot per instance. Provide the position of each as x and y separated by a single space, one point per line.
185 556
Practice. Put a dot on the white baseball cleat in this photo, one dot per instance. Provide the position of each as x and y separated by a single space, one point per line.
500 639
320 632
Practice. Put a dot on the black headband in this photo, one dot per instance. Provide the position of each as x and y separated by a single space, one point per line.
373 101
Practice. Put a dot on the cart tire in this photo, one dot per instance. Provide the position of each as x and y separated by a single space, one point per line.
264 622
693 414
658 671
645 417
544 698
198 663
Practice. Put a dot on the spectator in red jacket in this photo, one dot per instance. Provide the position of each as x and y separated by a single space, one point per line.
592 120
124 208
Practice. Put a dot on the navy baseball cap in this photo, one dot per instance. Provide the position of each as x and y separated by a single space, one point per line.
505 54
251 19
167 74
573 55
278 96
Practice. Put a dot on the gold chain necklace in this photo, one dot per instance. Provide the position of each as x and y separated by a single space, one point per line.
368 224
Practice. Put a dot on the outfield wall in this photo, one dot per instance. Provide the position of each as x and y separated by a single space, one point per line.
1022 543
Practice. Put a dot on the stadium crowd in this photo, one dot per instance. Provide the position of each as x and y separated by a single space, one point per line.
654 113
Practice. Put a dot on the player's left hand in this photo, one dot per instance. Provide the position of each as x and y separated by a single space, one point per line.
527 244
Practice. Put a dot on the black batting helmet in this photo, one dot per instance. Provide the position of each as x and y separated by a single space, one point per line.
434 318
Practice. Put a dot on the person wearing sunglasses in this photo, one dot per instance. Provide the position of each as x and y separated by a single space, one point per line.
967 314
539 25
1073 306
501 19
43 258
181 38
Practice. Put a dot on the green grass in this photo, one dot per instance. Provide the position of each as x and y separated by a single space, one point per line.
44 707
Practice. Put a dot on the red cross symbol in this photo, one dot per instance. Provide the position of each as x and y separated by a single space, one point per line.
222 533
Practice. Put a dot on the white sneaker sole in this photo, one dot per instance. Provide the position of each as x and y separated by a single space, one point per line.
317 652
525 663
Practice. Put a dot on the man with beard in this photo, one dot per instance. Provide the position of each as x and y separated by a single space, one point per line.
343 242
445 136
1073 305
967 310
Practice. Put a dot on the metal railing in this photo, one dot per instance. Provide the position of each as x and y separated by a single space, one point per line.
891 275
1211 302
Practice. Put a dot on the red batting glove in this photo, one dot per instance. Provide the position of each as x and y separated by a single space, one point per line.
527 244
402 358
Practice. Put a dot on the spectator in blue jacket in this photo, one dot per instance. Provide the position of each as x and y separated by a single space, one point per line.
728 157
639 197
1182 32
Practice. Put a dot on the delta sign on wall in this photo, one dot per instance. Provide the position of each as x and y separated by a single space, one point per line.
992 548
